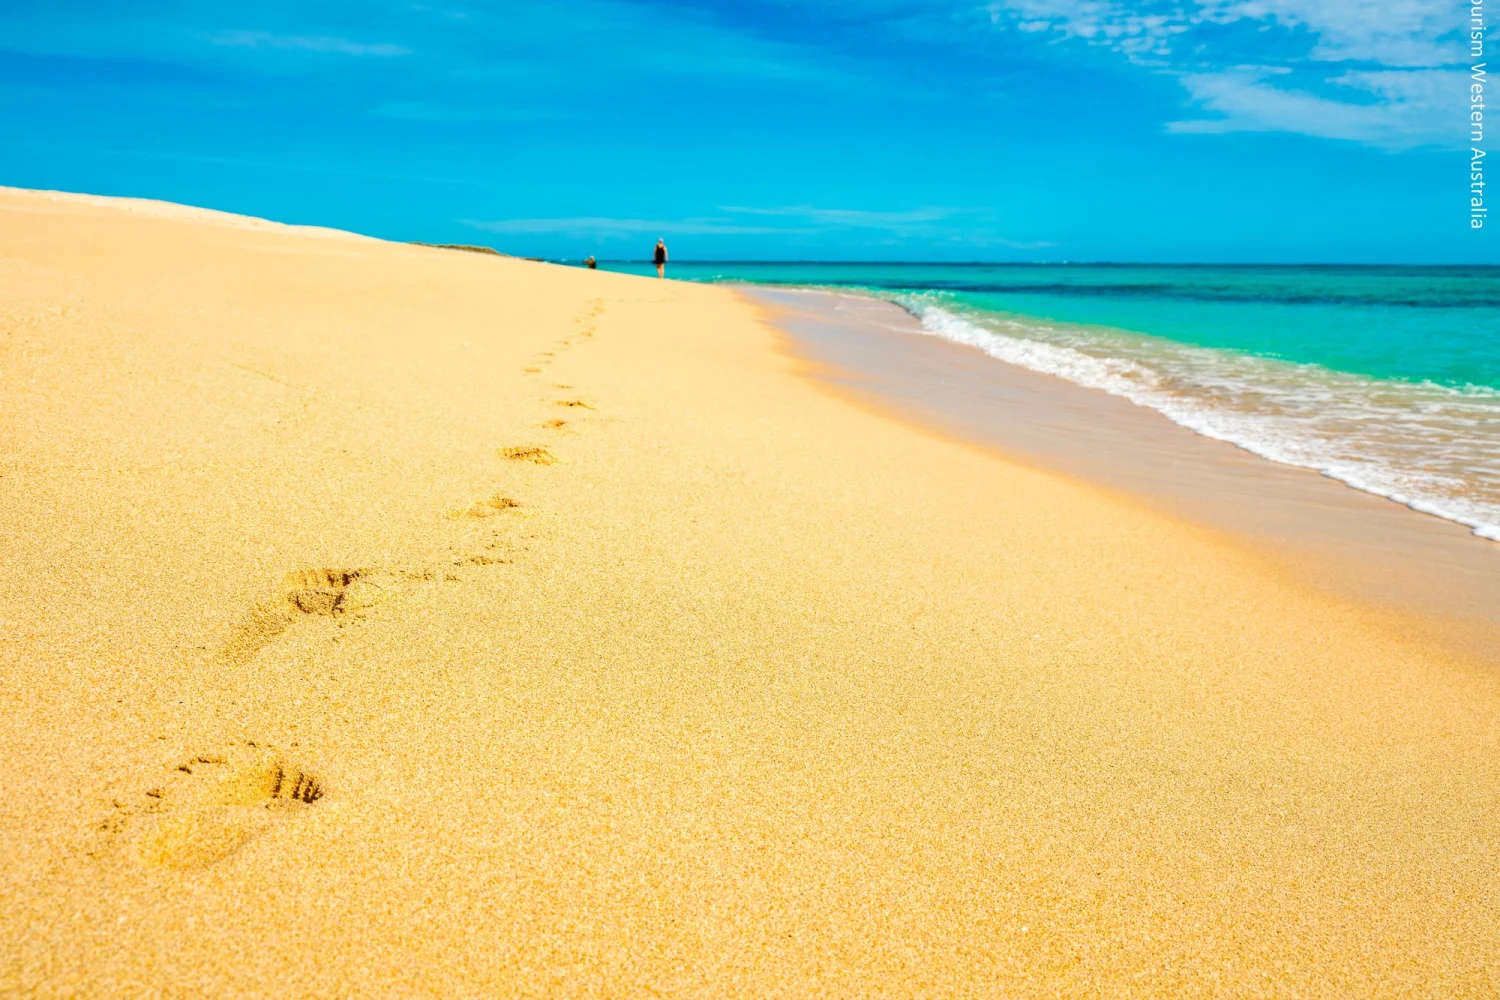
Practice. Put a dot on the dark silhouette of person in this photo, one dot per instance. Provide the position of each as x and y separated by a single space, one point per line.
590 263
661 258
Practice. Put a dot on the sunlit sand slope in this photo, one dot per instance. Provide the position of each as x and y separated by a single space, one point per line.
394 621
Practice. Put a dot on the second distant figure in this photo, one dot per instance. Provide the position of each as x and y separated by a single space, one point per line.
661 258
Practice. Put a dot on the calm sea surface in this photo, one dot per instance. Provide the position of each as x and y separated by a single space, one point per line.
1387 378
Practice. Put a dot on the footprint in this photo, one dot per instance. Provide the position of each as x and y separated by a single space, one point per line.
571 402
324 592
214 803
320 591
487 508
554 424
541 456
499 551
531 371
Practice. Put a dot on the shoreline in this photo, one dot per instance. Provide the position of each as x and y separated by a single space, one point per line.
385 620
957 328
1433 573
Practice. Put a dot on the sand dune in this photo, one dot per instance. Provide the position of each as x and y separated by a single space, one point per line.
382 620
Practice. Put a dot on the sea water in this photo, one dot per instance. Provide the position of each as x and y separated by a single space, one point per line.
1387 378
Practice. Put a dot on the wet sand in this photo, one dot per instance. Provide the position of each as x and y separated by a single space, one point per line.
1436 578
383 620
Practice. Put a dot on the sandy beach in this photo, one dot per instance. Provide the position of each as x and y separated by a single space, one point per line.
384 620
1434 580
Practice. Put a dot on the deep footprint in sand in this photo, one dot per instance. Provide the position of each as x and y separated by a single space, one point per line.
529 453
572 402
215 803
323 592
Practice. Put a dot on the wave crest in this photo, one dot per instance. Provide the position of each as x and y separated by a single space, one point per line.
1433 448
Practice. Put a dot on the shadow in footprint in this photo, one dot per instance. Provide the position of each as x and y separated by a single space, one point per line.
219 803
528 453
309 592
320 591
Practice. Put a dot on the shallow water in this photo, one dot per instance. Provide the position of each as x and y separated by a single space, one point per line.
1386 378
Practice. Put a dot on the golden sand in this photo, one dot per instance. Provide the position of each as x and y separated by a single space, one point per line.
384 620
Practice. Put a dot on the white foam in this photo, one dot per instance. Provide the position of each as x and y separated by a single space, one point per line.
1433 448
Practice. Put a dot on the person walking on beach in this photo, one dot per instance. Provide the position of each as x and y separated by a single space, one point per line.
590 263
661 258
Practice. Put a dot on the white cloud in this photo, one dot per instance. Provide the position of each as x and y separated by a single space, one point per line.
306 43
1378 72
851 217
909 224
1143 37
801 220
591 225
1388 32
1396 109
930 223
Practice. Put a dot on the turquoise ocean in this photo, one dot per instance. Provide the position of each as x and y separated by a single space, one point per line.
1386 378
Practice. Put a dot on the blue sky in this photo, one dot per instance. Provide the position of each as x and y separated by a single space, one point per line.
1196 130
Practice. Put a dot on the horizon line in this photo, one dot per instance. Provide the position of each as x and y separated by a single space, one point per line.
1001 263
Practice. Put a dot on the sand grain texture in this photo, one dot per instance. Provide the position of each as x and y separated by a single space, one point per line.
740 691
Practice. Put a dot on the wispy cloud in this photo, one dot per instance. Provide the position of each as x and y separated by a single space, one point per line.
1377 72
941 225
850 217
306 43
1374 62
1141 36
1391 108
965 225
1388 32
604 226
